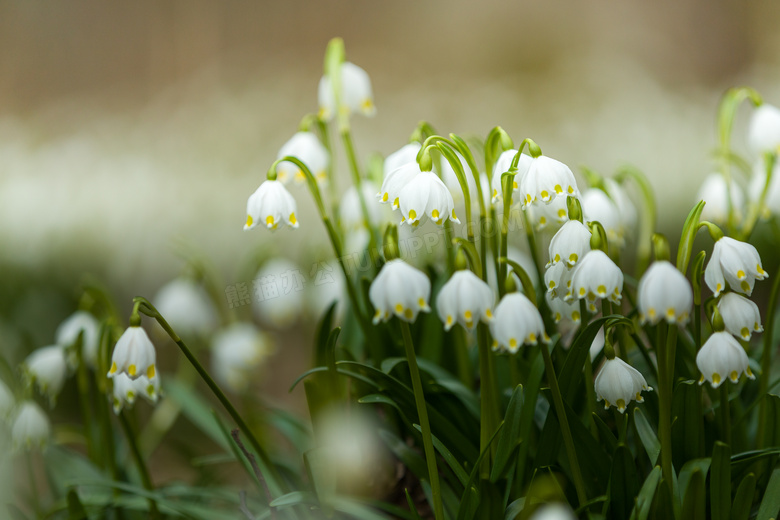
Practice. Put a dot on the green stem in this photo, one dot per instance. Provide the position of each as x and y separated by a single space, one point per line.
725 414
349 148
664 406
487 397
766 360
757 209
266 464
425 427
82 381
590 396
462 356
36 501
143 471
563 420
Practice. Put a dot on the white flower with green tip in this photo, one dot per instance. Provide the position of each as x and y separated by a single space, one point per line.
664 293
720 358
48 368
546 179
569 244
502 165
618 383
516 322
30 428
740 315
465 299
271 205
598 207
134 354
764 129
186 307
126 390
736 263
597 276
401 290
425 196
713 191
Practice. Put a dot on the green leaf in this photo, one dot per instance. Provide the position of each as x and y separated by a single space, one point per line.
623 483
690 228
644 500
689 468
687 423
468 503
510 437
15 512
294 498
196 409
321 351
413 509
694 506
75 508
237 455
744 498
720 482
514 509
770 504
772 428
605 434
647 436
451 461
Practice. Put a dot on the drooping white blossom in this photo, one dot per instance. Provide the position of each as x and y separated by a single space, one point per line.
502 165
395 181
30 428
625 205
618 383
764 129
465 299
134 354
740 315
722 357
562 310
237 354
597 276
401 290
426 196
554 213
48 368
271 204
356 93
570 243
406 154
186 306
664 294
546 179
713 191
306 147
80 322
736 263
555 511
126 390
557 279
516 322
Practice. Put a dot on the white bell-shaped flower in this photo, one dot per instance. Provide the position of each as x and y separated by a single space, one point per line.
272 205
618 383
399 289
516 322
554 213
546 179
48 368
406 154
395 181
664 294
7 401
237 353
736 263
597 276
30 428
425 195
570 243
465 299
764 129
740 315
278 290
756 188
553 512
562 310
722 357
134 354
356 93
598 207
557 279
80 322
713 192
126 390
351 210
307 147
502 165
186 306
450 179
625 205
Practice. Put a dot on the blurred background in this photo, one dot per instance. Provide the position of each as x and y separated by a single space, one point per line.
130 130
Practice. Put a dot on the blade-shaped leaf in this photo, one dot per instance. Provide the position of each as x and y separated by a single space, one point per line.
720 482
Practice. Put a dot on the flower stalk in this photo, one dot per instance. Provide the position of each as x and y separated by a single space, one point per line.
143 470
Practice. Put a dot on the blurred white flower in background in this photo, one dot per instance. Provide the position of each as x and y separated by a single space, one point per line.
756 187
450 179
356 93
502 165
48 368
186 307
328 287
69 330
598 207
278 293
764 129
553 512
626 206
404 155
30 428
306 147
351 211
713 192
237 354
